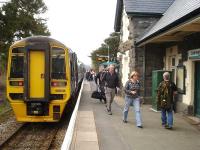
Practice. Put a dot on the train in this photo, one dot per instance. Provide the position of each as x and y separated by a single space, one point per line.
43 77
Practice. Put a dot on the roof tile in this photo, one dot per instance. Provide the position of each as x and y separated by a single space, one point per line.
147 6
177 10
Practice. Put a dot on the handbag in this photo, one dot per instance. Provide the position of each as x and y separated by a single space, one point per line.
96 95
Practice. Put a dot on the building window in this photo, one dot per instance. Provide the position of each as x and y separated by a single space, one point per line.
180 62
173 62
180 79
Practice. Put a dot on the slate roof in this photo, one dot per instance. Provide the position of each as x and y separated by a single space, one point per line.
147 6
118 15
179 12
140 7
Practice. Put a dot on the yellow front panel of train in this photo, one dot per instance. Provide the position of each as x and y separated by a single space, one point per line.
37 69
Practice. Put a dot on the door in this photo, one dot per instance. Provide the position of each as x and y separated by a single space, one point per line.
156 79
37 66
197 89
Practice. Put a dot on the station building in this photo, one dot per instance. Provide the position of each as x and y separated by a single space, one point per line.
162 35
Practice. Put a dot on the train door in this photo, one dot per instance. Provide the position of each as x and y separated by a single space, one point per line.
36 77
37 69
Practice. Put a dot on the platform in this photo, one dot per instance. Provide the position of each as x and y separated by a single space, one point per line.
96 130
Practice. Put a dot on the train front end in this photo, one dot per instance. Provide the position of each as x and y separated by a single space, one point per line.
38 79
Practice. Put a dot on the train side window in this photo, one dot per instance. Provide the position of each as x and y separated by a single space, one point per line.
17 63
72 70
58 65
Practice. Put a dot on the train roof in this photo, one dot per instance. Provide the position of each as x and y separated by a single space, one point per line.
39 39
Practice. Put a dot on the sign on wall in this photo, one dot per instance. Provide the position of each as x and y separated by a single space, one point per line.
194 54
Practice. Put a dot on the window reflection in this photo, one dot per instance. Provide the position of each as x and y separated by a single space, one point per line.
17 63
58 68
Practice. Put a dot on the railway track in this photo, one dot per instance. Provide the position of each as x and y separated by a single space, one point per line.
32 136
10 135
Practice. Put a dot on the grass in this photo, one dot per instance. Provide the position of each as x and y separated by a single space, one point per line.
4 105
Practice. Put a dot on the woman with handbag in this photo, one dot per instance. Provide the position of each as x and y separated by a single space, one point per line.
132 97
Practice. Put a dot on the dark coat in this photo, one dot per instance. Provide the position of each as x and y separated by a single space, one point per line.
111 81
99 77
165 94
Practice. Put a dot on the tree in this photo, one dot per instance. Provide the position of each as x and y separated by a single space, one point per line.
20 19
111 43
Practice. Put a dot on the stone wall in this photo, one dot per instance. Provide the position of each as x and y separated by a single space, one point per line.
138 26
153 61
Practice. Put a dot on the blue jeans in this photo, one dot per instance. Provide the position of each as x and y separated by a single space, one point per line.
167 117
136 103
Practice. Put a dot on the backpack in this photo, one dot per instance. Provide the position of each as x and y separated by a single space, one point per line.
164 94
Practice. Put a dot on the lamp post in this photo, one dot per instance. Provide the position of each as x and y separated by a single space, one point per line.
108 54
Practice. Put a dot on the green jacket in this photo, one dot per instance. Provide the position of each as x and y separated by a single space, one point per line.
165 94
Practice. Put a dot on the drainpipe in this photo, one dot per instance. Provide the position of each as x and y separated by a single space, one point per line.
144 70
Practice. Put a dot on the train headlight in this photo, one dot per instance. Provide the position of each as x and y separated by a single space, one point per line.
58 84
21 83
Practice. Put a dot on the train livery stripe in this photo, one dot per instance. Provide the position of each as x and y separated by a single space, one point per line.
70 130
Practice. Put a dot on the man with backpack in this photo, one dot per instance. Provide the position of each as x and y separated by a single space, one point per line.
166 91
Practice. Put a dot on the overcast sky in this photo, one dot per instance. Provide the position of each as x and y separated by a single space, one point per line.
81 25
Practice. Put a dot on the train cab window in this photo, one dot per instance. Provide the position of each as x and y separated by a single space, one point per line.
58 66
17 63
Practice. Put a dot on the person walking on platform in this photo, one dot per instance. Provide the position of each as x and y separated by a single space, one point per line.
111 80
99 81
166 91
132 97
87 74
